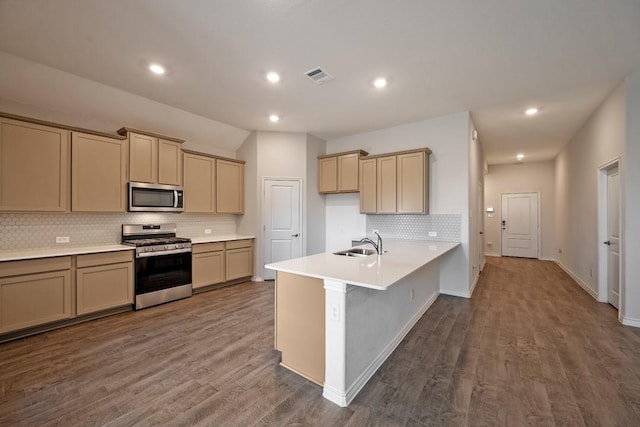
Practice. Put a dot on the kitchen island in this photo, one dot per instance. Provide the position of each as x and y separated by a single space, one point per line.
339 317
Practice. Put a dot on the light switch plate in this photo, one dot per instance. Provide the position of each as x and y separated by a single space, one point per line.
433 234
207 231
62 239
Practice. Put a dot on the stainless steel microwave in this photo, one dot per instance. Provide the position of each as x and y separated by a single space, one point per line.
145 197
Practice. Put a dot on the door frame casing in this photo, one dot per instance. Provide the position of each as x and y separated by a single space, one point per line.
539 219
263 219
602 220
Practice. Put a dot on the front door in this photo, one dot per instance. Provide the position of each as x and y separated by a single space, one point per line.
613 236
520 225
282 210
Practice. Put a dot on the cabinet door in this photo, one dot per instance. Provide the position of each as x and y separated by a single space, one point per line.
348 172
229 187
238 263
386 185
207 269
98 174
103 287
169 162
34 167
143 158
368 186
328 175
411 183
34 299
199 183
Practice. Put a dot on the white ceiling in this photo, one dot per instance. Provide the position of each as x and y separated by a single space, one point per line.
491 57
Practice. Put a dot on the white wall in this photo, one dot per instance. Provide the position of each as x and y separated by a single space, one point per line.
534 177
476 197
282 155
34 90
448 138
631 208
601 139
315 224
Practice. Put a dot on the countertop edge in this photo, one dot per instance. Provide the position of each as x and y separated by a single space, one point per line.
215 239
25 254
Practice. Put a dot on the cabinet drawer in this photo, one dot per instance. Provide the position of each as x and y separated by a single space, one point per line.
207 247
235 244
104 258
30 266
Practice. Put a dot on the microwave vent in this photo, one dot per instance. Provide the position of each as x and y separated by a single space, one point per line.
318 75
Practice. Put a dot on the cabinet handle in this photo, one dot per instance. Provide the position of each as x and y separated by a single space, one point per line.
607 243
295 235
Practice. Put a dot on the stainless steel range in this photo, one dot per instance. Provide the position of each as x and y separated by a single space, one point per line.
163 263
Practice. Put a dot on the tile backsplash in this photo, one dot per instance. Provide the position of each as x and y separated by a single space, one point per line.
39 230
416 227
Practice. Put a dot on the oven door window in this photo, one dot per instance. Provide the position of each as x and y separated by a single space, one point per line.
155 273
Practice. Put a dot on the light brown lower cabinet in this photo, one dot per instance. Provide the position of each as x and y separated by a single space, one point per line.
207 265
238 259
37 292
104 281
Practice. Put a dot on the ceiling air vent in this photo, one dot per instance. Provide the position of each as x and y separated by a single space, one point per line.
318 75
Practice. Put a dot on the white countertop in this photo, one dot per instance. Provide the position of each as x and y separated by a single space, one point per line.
402 258
62 251
21 254
224 238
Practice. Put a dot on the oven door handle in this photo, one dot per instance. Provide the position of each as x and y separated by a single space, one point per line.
160 253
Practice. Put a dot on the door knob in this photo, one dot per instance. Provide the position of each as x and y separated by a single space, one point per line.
295 235
607 242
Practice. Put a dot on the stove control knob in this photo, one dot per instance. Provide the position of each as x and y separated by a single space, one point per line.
179 246
167 247
151 249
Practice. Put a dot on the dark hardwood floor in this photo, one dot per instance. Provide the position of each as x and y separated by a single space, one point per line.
530 348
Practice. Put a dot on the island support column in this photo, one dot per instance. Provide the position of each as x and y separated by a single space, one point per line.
335 343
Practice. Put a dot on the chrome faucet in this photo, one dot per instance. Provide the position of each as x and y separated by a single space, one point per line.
377 246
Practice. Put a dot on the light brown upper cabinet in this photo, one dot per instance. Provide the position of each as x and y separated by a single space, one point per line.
199 183
368 186
213 184
395 183
229 187
153 158
98 173
34 167
386 193
338 173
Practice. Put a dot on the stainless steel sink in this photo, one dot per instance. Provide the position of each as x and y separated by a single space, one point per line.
361 252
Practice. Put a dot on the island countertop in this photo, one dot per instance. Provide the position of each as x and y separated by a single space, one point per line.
402 258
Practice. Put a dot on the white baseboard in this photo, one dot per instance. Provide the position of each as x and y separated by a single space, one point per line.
631 322
257 279
484 262
547 259
579 281
491 254
473 285
366 375
455 293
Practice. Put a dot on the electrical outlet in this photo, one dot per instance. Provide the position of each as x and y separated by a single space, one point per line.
433 234
413 295
335 313
207 231
62 239
489 243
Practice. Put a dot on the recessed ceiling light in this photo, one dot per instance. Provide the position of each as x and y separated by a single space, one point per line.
157 69
380 82
520 156
273 77
531 111
274 118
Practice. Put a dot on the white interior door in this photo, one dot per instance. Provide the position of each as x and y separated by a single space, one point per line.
520 225
613 236
282 218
